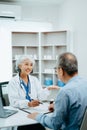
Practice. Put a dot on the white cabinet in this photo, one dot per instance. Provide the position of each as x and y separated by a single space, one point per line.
44 47
26 43
52 44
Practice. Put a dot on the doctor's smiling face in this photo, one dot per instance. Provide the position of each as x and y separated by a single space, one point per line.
26 67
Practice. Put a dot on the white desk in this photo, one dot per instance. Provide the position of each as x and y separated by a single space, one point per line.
18 119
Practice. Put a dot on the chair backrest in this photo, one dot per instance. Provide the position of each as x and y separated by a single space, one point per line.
84 121
3 95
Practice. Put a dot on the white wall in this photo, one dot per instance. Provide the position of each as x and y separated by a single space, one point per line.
72 15
25 26
5 55
40 13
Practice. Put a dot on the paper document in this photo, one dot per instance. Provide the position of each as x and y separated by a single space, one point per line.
42 108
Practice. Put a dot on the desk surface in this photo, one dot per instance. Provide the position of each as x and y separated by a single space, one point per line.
18 119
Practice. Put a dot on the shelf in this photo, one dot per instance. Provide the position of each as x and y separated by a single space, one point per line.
44 47
25 38
53 59
53 44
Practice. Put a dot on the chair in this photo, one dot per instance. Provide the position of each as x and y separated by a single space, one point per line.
4 97
84 121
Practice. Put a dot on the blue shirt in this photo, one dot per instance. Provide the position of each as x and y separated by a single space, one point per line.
69 106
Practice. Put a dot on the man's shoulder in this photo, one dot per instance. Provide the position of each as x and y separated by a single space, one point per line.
74 85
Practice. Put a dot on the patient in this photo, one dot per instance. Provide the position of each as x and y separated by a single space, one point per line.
71 101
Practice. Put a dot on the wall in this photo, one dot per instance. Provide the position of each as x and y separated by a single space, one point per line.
5 55
72 14
25 25
40 13
69 15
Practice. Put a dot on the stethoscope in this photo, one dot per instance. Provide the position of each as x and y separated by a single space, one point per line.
23 85
27 88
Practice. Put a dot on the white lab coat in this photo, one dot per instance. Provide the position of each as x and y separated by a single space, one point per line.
17 94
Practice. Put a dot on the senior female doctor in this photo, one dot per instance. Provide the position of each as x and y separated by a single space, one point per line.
25 90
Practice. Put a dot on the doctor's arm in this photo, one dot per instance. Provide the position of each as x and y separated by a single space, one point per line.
16 95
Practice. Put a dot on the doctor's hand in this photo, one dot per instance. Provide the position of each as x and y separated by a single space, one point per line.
53 87
33 103
33 115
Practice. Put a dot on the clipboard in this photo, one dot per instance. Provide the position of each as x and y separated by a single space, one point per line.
42 108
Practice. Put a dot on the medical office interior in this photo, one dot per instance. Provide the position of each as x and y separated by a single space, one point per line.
43 29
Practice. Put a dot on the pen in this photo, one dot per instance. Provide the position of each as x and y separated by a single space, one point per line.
40 102
51 101
24 110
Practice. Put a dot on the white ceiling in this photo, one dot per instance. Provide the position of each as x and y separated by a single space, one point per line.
32 2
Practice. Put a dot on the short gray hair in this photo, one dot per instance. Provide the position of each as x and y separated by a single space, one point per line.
22 58
68 62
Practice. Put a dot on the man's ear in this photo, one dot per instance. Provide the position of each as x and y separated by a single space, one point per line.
61 72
